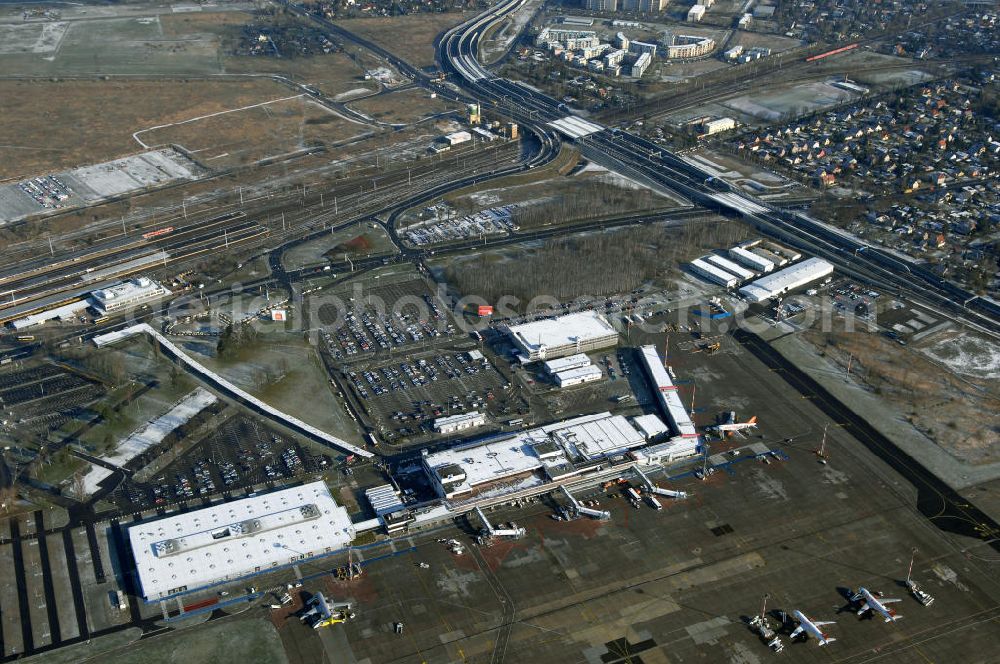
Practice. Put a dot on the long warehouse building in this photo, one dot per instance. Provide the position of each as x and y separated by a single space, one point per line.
751 260
666 392
741 273
779 261
185 552
786 280
712 273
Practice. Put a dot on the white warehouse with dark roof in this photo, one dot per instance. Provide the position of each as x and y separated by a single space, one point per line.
182 553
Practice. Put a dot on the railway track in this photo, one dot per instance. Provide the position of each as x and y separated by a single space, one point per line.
298 215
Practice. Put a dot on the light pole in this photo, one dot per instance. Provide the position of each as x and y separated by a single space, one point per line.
821 453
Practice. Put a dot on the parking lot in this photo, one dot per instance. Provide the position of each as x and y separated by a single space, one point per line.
242 452
442 227
849 297
48 191
386 319
44 397
405 397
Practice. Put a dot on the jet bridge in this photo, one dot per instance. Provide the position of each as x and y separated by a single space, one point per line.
652 488
514 531
600 515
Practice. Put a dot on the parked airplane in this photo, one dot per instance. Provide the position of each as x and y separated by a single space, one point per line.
731 426
811 628
875 604
319 614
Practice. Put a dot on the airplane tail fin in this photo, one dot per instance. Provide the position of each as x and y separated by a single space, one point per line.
825 641
752 420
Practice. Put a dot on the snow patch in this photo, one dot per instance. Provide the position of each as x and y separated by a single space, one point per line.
967 355
96 475
156 430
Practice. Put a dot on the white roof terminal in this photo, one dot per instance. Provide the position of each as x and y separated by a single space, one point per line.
666 392
184 552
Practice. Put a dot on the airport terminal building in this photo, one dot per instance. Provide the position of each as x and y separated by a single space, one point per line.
182 553
530 458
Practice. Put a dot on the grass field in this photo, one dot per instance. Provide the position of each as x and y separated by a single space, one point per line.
408 37
287 374
332 73
244 135
217 25
39 138
566 199
334 245
403 107
106 46
42 124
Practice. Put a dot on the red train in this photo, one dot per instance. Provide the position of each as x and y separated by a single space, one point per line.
157 233
842 49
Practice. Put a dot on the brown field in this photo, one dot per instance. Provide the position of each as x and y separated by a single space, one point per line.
249 135
403 107
408 37
83 122
226 25
332 73
946 407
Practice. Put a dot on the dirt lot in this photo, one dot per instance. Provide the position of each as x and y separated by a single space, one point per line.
773 42
403 107
39 138
409 37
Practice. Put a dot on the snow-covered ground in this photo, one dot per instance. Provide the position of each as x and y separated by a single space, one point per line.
967 355
156 430
90 480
